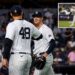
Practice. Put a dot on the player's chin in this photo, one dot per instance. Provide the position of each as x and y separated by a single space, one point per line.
36 23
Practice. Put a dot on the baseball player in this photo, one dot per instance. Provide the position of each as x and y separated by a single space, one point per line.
43 49
17 43
72 9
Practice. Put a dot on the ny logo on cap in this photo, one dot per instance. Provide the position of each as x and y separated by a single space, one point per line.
15 11
36 12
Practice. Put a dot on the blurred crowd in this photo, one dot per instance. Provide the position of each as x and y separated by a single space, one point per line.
64 53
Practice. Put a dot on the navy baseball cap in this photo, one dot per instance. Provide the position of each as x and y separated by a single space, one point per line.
37 14
16 10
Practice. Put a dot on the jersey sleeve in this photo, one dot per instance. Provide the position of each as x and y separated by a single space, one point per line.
35 32
49 35
10 32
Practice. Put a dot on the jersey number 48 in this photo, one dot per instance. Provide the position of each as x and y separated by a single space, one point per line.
25 33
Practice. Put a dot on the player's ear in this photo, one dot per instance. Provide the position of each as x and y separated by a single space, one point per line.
11 14
42 18
22 13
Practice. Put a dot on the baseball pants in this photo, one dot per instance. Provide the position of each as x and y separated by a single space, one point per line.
73 21
19 64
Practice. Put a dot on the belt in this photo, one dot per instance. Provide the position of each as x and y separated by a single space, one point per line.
19 53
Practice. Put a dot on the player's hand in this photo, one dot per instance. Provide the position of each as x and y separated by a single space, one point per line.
45 55
4 63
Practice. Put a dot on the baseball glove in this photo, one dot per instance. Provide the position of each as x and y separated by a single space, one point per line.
39 62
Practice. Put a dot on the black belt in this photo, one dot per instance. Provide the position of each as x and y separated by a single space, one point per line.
19 53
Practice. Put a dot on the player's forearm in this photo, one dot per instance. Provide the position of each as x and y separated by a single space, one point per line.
51 47
5 63
7 47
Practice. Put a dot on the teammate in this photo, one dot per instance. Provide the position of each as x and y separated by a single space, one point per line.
43 49
17 43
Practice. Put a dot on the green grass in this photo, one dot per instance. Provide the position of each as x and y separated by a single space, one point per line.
65 24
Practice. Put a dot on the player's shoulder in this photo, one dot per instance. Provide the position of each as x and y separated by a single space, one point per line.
28 23
10 24
45 27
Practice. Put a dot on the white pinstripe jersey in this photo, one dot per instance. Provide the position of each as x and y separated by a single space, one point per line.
21 31
43 44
